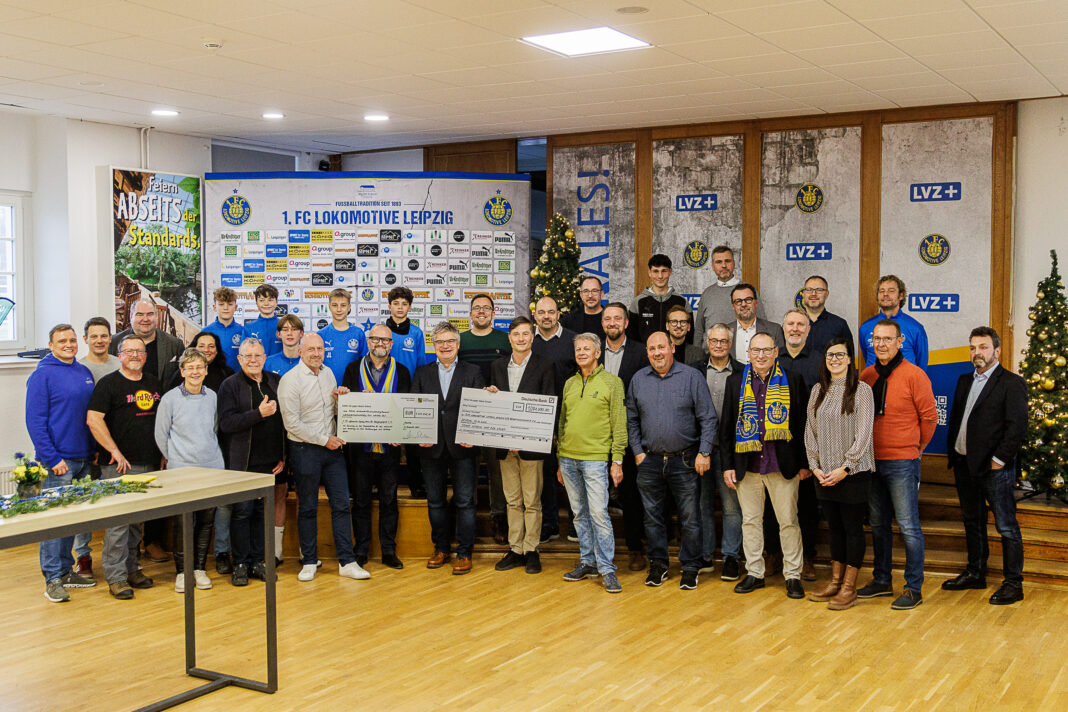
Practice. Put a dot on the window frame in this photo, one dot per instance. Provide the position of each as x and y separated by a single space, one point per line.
23 293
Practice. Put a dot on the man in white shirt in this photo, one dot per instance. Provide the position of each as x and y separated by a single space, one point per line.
747 324
307 397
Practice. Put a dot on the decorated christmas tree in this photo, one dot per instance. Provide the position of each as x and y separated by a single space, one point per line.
556 273
1045 452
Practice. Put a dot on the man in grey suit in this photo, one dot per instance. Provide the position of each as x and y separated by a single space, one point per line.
747 324
161 347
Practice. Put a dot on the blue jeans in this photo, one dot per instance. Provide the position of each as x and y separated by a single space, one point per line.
223 514
586 482
315 465
976 491
895 489
435 472
711 482
657 475
56 558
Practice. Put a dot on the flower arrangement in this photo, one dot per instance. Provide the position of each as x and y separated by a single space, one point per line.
28 475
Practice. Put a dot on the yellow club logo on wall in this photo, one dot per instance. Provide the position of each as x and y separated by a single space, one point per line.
809 198
934 249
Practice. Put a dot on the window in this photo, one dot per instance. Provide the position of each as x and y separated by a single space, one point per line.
14 306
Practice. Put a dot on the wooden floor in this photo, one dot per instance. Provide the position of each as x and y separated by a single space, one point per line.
426 640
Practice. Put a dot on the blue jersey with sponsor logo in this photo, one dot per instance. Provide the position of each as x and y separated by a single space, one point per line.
280 363
410 349
342 348
230 337
266 330
914 346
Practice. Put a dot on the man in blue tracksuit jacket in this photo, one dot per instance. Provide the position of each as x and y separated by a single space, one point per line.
57 401
891 294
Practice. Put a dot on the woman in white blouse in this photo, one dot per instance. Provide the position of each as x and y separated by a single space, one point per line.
838 437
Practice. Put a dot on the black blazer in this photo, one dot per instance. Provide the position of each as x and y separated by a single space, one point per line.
239 412
426 380
539 377
635 359
997 425
791 453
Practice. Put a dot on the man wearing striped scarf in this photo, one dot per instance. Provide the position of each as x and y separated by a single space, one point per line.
762 448
377 372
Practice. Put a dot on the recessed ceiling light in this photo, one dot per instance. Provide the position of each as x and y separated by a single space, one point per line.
273 115
581 42
376 117
89 83
632 10
212 44
164 112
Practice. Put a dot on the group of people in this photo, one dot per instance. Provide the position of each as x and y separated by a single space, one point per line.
750 411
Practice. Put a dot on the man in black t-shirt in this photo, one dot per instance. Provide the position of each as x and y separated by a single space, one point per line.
122 418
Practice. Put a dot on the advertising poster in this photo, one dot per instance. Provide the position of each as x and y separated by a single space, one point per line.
810 218
445 236
697 206
936 213
593 187
156 223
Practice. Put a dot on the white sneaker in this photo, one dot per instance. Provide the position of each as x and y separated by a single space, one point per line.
201 578
179 583
353 570
307 572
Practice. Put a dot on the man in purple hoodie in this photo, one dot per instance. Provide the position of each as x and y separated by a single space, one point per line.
57 400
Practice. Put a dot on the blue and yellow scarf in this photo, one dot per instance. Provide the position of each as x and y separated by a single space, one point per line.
776 412
386 384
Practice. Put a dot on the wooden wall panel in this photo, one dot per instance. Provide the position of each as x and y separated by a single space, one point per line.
478 157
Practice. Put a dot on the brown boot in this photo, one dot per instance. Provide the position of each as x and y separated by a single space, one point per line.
831 589
847 594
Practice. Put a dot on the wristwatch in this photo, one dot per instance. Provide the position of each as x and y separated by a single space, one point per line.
705 454
847 469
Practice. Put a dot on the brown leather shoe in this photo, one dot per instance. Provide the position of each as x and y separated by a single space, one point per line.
772 564
808 571
138 580
461 566
156 553
638 562
847 594
831 589
121 590
437 560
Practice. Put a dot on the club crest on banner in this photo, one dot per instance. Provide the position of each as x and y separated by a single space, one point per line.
695 254
497 210
934 249
809 198
236 210
777 413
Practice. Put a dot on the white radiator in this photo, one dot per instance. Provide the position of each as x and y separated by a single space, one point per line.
6 485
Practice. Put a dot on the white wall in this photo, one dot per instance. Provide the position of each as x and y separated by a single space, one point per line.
1041 209
406 160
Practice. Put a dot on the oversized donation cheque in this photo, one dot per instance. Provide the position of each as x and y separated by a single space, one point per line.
402 418
506 420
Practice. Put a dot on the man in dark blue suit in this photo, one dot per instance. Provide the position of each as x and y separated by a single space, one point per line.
446 378
986 429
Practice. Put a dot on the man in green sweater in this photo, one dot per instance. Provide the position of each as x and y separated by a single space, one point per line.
592 437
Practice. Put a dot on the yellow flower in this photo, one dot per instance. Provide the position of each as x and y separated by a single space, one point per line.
35 469
20 470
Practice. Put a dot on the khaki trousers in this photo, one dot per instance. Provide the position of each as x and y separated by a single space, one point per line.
783 494
522 484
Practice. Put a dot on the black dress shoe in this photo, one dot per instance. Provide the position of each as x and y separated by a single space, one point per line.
794 589
1008 593
240 575
419 493
749 584
391 561
223 564
533 563
964 581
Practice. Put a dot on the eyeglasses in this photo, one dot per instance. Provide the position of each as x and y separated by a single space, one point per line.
446 342
134 352
837 356
379 339
719 342
678 322
588 292
194 369
743 300
482 308
762 352
814 290
252 357
884 339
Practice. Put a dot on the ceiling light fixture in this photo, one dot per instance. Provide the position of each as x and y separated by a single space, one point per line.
581 42
632 10
212 44
376 117
273 115
164 112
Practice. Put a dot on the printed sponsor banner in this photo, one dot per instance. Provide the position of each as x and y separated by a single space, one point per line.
300 278
459 251
274 265
291 294
504 280
413 236
276 278
322 250
299 250
156 231
277 236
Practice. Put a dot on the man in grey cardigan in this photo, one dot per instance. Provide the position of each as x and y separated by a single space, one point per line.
715 306
160 347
